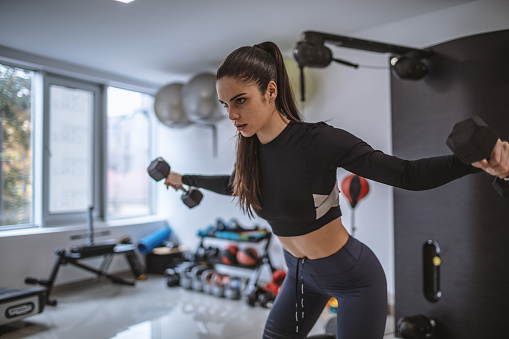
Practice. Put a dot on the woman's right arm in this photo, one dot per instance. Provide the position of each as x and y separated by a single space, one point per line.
221 184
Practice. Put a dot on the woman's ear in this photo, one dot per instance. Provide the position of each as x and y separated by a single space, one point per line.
272 91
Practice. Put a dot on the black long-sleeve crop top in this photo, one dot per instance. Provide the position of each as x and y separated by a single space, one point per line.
298 185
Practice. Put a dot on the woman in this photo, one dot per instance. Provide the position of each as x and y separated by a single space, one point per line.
286 173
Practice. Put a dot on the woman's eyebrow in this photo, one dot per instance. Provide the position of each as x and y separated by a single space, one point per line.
235 97
238 95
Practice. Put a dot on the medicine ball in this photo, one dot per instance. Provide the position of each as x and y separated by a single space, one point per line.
248 256
229 255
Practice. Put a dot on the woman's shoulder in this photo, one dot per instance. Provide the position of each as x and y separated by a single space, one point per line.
319 129
323 135
310 126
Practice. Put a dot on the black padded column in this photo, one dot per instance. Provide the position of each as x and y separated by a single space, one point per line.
467 218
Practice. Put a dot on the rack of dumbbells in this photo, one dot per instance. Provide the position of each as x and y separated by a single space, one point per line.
202 271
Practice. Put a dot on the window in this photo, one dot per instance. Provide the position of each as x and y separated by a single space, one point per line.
67 144
16 179
70 149
129 132
71 161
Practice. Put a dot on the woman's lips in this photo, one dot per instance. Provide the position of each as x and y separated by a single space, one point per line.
241 127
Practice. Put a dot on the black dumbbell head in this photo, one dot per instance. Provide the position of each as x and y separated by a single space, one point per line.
416 326
158 169
192 198
472 140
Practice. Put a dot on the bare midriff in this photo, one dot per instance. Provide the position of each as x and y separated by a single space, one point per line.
321 243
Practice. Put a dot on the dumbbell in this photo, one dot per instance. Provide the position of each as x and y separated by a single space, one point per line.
233 288
172 277
207 281
473 140
184 271
198 275
159 169
218 284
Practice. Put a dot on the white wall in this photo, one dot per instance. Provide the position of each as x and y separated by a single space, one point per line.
356 100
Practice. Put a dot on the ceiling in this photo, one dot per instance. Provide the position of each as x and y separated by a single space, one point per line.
156 41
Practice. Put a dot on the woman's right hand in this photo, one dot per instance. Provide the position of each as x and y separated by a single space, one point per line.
174 180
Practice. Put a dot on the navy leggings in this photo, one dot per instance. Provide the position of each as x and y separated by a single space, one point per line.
353 276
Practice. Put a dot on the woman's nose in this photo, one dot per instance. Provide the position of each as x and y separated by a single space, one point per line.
232 115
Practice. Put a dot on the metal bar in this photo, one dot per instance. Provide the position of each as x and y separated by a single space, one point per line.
366 45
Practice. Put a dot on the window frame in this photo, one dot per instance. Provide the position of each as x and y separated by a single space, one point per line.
58 219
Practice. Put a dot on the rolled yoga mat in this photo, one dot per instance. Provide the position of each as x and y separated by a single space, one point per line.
154 239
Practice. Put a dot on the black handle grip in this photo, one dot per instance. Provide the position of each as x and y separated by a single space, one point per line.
431 262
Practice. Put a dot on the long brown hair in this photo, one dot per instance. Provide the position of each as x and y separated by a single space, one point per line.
257 64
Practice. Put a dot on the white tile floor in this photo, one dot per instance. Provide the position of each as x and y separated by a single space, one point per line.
150 310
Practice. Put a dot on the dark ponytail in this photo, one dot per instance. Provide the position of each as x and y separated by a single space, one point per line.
258 64
285 101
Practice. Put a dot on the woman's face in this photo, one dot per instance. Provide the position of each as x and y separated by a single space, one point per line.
250 110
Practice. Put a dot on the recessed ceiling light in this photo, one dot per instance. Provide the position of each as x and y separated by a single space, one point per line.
125 1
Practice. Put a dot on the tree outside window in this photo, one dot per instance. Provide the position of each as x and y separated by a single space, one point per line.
15 146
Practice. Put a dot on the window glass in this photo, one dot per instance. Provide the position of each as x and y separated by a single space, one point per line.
128 153
70 149
16 176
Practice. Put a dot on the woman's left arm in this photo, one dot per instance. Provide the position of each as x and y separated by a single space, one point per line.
339 148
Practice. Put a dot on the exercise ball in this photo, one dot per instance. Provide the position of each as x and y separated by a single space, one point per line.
168 106
200 101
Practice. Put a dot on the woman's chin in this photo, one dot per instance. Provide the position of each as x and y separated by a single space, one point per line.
246 134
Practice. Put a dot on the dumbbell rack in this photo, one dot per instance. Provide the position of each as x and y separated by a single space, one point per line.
264 257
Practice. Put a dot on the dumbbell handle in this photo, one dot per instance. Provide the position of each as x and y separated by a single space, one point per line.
183 189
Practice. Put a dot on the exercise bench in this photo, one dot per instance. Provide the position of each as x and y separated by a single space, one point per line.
106 250
18 304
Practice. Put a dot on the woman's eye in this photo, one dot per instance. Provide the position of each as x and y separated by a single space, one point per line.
241 100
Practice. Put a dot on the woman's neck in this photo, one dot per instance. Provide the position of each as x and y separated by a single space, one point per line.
276 125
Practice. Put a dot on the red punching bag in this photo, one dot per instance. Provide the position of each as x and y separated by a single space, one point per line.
355 188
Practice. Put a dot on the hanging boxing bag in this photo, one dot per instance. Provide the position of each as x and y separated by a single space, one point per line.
355 188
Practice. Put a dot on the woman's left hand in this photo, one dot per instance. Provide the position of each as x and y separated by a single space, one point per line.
498 163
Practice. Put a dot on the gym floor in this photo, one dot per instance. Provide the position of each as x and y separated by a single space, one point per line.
148 310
